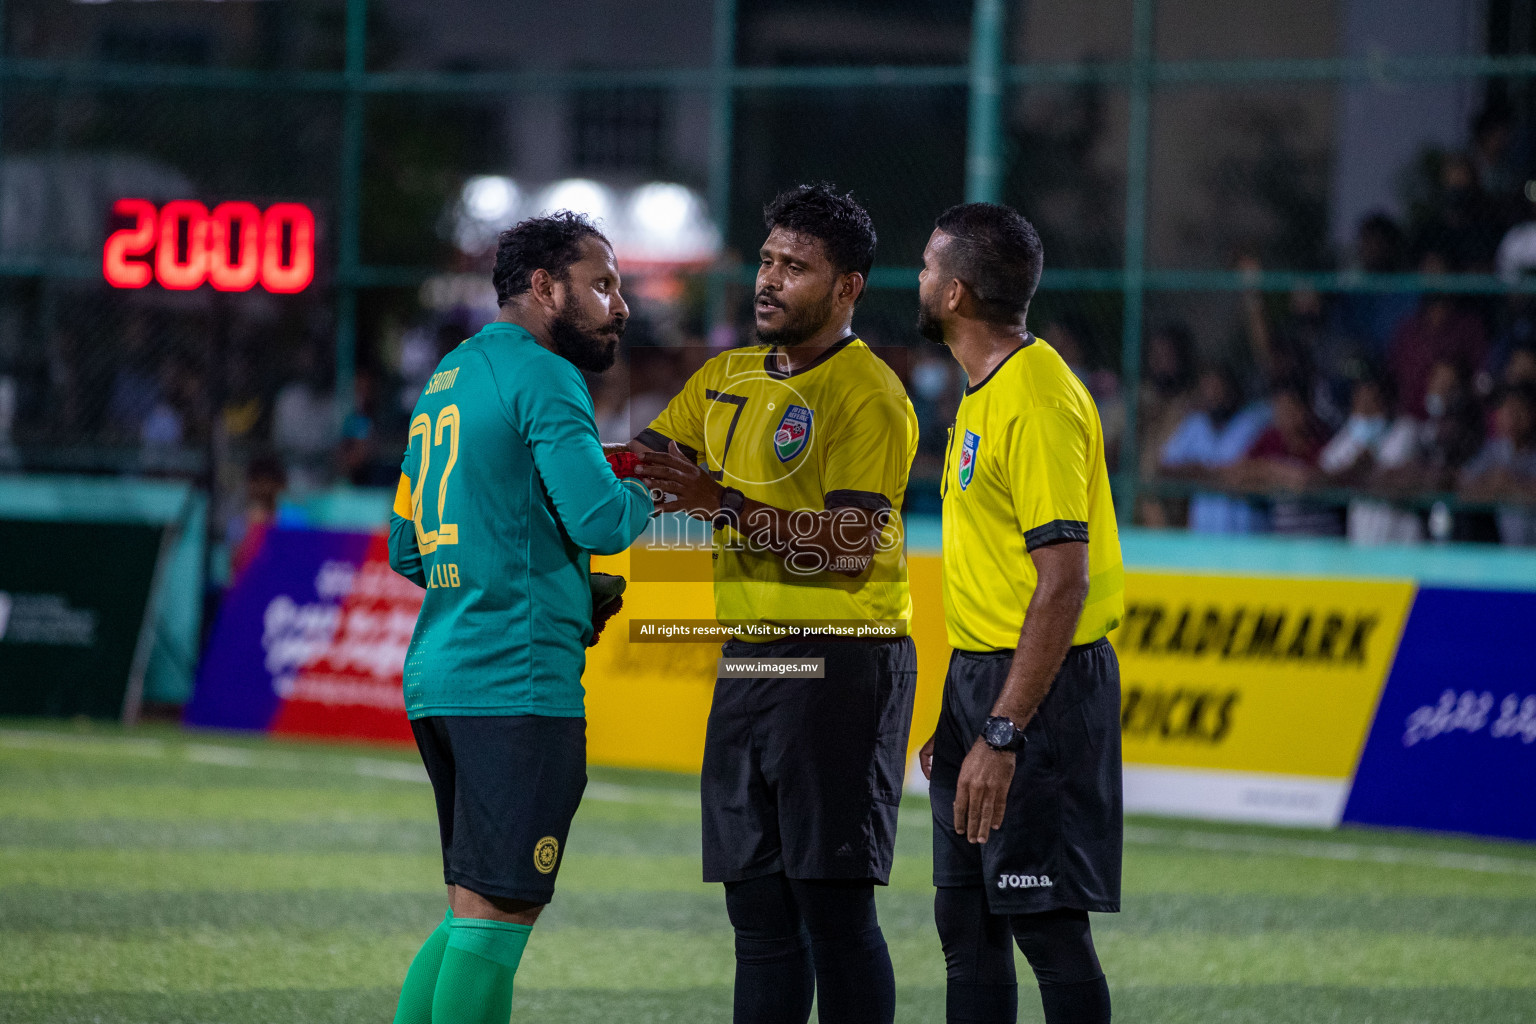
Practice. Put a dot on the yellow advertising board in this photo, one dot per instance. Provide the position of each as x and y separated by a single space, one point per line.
647 703
1253 674
1260 676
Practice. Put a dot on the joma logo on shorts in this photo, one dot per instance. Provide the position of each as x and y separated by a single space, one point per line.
1024 881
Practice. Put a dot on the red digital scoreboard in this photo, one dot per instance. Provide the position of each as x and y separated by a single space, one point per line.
233 247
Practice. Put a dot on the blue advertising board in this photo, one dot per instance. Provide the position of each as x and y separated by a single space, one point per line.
282 611
1453 743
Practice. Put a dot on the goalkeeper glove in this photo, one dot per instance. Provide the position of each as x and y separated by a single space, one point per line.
624 464
607 599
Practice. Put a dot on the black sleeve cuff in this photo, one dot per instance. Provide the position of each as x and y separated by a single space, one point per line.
872 501
657 442
1057 531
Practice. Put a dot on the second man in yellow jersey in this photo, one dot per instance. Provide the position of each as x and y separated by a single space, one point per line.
1024 765
805 442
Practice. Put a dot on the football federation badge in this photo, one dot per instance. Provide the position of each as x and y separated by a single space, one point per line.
793 432
968 458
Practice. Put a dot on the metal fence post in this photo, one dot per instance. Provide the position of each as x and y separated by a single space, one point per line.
349 203
983 139
721 120
1133 281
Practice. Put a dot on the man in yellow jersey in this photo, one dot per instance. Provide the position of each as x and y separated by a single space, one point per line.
1025 763
805 443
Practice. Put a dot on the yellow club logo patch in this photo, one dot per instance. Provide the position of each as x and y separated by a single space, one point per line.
545 854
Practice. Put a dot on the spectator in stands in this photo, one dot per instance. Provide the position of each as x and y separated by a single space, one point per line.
304 424
1211 439
1459 221
135 384
362 463
935 392
1292 348
1371 442
1167 397
1167 390
1492 154
244 404
1365 321
162 425
1505 470
177 419
264 484
1449 432
1439 329
1285 458
1070 337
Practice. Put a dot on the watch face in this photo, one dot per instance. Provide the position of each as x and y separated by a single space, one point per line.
999 732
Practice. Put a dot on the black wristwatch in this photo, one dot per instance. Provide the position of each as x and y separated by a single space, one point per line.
1001 734
729 514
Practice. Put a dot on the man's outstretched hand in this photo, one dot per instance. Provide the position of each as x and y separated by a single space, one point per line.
692 489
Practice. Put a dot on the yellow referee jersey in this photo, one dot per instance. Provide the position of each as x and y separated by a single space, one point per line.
1025 468
838 432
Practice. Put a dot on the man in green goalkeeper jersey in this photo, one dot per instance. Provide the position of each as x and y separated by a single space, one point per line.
504 493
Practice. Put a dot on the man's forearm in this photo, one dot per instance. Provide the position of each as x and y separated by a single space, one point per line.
1049 624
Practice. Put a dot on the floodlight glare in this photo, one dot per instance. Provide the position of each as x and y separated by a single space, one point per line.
662 211
579 195
490 199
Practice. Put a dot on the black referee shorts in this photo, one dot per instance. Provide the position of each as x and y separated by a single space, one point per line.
507 787
1062 832
804 776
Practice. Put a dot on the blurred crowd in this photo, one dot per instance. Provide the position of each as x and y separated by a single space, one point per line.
1401 398
1381 415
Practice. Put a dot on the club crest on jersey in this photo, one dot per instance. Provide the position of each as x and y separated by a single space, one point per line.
968 458
793 432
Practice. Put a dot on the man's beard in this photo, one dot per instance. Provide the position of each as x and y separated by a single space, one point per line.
582 344
928 324
800 325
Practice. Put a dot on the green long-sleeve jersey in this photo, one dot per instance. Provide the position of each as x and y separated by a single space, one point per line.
504 493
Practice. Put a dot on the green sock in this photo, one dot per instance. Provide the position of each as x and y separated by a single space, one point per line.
421 980
475 983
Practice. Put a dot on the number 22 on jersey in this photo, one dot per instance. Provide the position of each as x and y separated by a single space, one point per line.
432 439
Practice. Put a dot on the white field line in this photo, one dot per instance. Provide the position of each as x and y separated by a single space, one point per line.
226 757
609 792
244 757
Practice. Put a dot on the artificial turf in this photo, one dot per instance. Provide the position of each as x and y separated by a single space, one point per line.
161 877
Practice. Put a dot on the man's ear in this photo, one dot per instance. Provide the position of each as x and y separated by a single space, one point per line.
954 294
541 287
851 286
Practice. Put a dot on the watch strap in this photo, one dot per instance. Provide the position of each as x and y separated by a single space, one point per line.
729 513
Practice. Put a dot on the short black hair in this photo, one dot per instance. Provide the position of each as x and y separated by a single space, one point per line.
997 253
551 243
836 219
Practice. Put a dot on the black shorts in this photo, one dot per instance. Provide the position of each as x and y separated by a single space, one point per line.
1060 841
804 776
507 787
